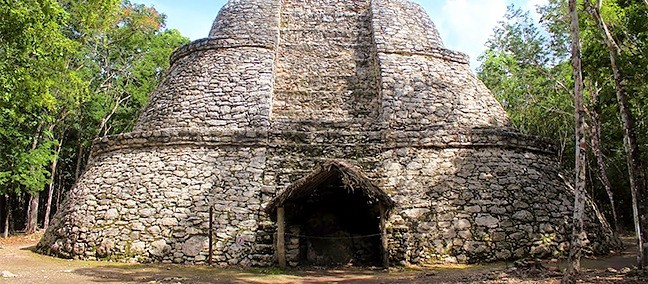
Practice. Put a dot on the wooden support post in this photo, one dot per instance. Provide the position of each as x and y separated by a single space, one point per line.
211 234
281 241
383 236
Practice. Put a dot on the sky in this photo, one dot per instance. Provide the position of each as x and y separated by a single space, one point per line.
464 25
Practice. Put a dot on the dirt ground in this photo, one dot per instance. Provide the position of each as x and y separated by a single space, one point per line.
19 264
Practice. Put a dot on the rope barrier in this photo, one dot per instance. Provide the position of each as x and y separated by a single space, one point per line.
336 238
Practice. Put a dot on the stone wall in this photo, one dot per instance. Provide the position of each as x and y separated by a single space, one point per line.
143 205
424 85
421 92
325 67
479 204
403 27
145 197
321 62
224 81
214 88
248 23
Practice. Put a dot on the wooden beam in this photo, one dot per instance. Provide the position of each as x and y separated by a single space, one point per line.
383 236
211 234
281 241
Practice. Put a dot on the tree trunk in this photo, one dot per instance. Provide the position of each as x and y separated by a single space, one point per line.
48 206
7 221
32 213
602 169
633 156
77 169
31 224
59 191
595 137
50 189
17 211
578 233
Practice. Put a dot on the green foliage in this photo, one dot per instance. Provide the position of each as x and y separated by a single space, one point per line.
124 58
70 71
33 53
528 69
628 24
531 80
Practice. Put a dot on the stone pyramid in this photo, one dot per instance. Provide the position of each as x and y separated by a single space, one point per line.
319 132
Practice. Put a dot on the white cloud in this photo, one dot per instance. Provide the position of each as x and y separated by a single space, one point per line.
467 24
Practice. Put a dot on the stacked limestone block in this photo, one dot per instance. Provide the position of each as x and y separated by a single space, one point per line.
281 87
325 65
424 85
152 205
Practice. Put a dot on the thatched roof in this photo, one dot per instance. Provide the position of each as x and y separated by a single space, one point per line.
352 178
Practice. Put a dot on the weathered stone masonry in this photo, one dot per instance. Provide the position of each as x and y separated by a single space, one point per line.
281 88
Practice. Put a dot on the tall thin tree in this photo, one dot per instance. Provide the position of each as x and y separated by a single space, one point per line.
31 222
7 220
50 186
595 137
578 233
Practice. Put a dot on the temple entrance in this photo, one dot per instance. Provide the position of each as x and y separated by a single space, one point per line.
338 226
332 217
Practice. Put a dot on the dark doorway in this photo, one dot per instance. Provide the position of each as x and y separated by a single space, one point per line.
335 216
338 225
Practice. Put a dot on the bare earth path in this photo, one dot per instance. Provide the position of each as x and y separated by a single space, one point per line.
19 264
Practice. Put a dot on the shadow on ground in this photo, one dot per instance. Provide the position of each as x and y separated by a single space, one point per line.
25 266
184 274
187 274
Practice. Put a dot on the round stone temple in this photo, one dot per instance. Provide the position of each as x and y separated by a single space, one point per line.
319 132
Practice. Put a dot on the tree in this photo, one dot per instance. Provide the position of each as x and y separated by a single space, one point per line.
526 68
594 115
634 163
530 78
70 71
579 237
33 51
126 56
